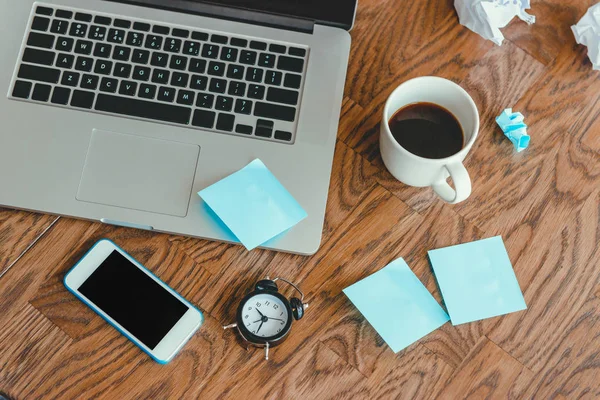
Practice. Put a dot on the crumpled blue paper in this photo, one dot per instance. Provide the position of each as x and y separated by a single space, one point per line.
486 17
514 128
253 204
587 33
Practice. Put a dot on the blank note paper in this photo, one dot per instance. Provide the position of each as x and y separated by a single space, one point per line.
397 305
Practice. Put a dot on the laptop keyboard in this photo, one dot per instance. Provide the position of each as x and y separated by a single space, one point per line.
169 74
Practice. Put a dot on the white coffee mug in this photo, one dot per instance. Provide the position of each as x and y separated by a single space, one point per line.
417 171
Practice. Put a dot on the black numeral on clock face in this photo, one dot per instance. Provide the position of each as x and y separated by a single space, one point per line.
257 304
275 306
267 303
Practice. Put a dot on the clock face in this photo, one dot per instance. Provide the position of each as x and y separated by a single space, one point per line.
265 315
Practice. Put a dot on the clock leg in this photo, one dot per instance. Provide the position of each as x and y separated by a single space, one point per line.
230 326
267 351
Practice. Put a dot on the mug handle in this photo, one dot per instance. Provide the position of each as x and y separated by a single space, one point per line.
462 183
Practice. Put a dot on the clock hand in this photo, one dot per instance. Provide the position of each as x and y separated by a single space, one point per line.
257 321
276 319
261 314
260 326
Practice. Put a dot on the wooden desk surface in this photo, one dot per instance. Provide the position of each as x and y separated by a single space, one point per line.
545 202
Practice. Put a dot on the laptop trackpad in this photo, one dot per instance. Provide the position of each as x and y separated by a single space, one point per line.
138 173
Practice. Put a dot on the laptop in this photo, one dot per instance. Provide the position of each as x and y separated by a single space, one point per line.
121 111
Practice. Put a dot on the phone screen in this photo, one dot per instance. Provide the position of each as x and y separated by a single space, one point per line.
133 299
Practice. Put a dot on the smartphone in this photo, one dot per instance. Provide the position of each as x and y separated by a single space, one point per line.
133 300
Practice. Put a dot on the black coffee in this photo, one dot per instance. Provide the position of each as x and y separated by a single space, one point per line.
427 130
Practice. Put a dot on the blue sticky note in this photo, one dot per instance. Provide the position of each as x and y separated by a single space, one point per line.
253 204
514 128
397 305
477 280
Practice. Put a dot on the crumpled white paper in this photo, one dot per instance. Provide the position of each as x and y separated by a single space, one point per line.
587 33
486 17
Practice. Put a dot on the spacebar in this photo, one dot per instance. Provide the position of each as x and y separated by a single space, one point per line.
143 109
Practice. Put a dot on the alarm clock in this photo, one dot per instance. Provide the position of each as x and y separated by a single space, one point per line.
264 316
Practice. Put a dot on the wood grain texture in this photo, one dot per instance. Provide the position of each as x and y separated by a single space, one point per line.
545 202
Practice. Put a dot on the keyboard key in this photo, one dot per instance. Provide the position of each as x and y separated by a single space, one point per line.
43 10
266 60
178 62
191 48
143 109
224 103
216 68
210 51
82 99
172 45
274 111
154 42
290 64
22 89
141 26
273 78
237 42
182 33
237 88
229 54
264 128
61 96
41 74
36 56
59 26
277 48
179 79
163 30
89 82
121 53
83 17
204 119
235 71
197 65
219 39
135 39
283 135
217 85
203 36
70 79
254 74
292 81
243 106
185 97
40 40
97 32
65 60
147 91
102 50
159 59
298 52
84 64
199 82
205 100
116 36
78 29
99 19
41 92
64 14
103 67
122 70
244 129
248 57
141 73
160 76
64 44
128 88
83 47
225 122
166 94
121 23
108 85
256 92
258 45
40 24
140 56
284 96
